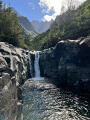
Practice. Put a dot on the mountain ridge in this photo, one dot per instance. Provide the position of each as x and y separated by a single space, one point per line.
72 24
41 26
26 23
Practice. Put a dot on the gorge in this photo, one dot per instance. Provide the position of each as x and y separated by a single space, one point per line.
44 99
67 65
45 65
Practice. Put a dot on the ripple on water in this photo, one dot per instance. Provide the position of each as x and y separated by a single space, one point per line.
44 101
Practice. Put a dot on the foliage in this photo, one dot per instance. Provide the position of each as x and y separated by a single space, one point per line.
26 24
70 25
10 29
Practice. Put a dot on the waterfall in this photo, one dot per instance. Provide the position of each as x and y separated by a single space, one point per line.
36 65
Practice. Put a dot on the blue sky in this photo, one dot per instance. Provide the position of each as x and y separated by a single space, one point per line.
28 8
40 9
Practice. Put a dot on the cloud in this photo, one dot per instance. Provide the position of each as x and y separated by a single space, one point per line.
57 6
32 5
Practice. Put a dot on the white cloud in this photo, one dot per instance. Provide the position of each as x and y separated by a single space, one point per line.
55 6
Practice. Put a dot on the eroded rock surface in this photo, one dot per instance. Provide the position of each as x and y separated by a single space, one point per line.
14 70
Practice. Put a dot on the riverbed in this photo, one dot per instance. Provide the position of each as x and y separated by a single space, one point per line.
43 100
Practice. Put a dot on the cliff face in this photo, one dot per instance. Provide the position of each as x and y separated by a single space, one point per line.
68 63
14 70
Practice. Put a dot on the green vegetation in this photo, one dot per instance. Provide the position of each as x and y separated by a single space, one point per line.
27 33
9 27
11 31
26 24
70 25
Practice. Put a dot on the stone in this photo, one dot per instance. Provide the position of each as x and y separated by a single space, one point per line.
3 64
4 49
68 63
14 69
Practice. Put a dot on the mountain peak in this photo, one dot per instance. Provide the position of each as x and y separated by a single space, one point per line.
41 26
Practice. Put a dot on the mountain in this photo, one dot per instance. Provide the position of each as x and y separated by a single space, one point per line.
14 11
27 30
27 33
26 27
41 26
72 24
26 24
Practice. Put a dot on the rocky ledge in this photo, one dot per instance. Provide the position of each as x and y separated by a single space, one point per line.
68 63
14 70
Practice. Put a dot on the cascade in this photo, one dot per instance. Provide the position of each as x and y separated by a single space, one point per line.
36 67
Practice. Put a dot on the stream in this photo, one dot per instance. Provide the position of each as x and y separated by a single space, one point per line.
45 101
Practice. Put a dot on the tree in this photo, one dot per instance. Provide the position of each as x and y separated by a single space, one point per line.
9 27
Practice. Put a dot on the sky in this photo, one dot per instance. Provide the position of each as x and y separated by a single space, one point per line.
41 9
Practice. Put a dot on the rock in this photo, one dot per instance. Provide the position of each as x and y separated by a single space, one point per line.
4 49
19 111
3 64
19 52
68 63
14 70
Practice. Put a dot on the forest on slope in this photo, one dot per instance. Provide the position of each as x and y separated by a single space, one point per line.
72 24
11 29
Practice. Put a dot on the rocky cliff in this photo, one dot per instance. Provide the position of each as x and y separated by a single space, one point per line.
68 63
14 70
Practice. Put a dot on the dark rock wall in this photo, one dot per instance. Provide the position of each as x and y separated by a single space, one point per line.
68 63
14 70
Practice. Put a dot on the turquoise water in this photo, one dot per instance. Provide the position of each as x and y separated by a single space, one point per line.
45 101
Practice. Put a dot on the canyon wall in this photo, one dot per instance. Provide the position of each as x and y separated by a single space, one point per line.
68 63
14 70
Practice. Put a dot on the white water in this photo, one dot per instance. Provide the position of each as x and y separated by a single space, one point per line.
36 67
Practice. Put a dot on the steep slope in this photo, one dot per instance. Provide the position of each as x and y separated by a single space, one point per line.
41 26
26 27
70 25
14 11
26 24
27 33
